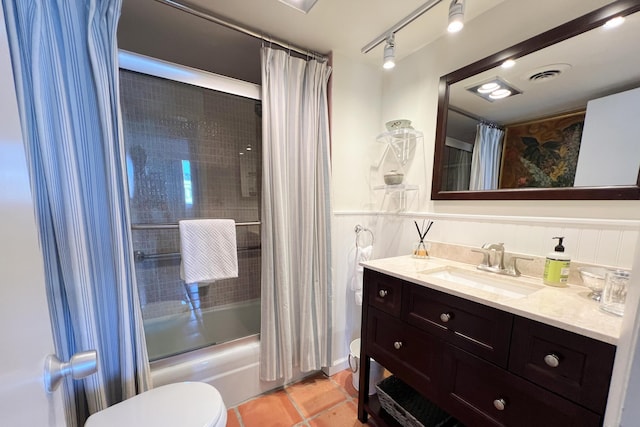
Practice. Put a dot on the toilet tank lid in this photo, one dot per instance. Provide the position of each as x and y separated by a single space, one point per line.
185 404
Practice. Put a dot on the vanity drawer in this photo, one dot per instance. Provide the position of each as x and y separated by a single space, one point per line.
408 352
481 394
569 364
476 328
383 292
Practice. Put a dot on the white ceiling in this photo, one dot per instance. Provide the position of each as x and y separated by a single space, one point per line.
599 62
155 28
345 25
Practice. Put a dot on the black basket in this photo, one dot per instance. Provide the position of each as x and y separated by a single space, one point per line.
409 408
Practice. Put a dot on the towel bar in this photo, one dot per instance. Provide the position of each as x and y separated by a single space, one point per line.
358 229
175 225
142 256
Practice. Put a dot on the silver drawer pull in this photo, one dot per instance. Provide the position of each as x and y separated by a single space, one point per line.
445 317
552 360
500 404
383 293
397 345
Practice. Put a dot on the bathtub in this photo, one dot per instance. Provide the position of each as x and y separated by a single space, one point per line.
231 367
173 332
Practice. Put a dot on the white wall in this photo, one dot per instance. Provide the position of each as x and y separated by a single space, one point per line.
356 90
25 329
609 150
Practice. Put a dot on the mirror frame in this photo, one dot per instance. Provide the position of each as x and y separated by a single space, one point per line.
570 29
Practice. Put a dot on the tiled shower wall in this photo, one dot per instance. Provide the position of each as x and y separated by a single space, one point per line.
191 153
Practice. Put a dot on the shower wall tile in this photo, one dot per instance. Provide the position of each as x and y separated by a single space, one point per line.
168 125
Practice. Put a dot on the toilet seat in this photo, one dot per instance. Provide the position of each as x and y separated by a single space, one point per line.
187 404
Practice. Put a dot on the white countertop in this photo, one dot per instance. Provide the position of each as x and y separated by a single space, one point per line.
567 308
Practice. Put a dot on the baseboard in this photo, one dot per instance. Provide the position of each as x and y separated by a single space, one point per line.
338 365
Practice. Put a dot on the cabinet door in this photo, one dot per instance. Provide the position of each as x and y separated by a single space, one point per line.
408 352
482 330
481 394
383 292
572 365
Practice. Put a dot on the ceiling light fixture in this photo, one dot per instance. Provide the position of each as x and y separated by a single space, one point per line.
500 93
488 87
614 22
303 6
389 53
493 89
456 13
456 16
508 63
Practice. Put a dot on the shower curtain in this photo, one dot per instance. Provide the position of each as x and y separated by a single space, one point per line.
64 58
296 270
487 154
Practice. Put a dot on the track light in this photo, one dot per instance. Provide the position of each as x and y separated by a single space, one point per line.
456 16
389 53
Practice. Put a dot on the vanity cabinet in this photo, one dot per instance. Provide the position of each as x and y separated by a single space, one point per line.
476 328
484 366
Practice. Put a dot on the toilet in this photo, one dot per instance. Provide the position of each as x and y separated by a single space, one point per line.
186 404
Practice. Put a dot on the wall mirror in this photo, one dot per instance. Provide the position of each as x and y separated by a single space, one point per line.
568 129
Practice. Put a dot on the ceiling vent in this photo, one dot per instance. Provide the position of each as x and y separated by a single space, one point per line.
546 73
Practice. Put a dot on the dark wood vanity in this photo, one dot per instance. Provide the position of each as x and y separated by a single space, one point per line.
484 366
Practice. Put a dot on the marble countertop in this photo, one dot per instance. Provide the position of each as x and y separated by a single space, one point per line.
568 308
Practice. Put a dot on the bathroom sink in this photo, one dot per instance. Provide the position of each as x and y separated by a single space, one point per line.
483 281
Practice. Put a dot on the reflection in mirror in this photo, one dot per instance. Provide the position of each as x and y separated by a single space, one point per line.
561 122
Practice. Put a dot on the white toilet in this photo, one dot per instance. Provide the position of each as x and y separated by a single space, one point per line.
187 404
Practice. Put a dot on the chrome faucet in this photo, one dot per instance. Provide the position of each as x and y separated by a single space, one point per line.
495 264
498 257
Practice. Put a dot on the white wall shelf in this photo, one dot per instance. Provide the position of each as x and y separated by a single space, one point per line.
398 192
396 188
401 141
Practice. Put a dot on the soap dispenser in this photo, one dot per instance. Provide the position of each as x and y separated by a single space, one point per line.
556 267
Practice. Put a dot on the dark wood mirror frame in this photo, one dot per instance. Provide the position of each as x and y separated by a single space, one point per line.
572 28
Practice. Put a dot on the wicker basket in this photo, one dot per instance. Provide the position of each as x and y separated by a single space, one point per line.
409 408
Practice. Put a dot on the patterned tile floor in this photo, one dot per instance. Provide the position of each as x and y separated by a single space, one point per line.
317 401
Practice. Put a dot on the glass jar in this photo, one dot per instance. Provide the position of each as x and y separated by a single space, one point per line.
614 295
421 250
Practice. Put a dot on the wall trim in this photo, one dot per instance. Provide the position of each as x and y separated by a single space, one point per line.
625 224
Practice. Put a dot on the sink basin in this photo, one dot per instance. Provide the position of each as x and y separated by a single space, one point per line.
481 281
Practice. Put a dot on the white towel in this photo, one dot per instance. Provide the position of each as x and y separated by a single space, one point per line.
209 250
357 270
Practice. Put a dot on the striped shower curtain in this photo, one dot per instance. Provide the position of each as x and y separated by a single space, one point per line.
296 328
64 57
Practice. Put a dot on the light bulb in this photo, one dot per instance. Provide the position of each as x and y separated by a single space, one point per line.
456 16
389 54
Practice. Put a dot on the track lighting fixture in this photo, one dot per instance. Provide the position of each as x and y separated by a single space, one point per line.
456 22
456 16
389 53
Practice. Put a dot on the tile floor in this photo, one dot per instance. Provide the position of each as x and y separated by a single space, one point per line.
316 401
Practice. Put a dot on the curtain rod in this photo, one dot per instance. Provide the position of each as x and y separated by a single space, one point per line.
401 24
466 114
237 27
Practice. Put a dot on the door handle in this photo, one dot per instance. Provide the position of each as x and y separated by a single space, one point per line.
79 366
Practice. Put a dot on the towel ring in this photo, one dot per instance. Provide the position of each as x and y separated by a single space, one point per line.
359 229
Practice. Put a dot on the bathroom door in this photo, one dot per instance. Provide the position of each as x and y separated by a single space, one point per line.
25 328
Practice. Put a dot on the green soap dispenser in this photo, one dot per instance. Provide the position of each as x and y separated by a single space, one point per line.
556 267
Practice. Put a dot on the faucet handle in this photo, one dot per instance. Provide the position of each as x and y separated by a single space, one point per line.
512 269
